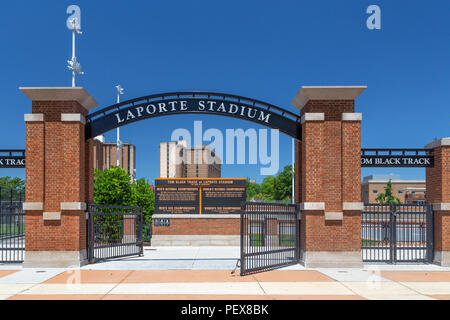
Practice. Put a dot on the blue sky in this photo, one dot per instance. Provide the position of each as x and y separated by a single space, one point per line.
261 49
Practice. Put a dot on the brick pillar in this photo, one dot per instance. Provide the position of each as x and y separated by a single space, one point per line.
438 194
129 228
55 175
329 176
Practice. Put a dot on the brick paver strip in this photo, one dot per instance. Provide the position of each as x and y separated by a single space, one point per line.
293 276
441 296
231 297
90 276
169 276
416 276
4 273
58 297
184 297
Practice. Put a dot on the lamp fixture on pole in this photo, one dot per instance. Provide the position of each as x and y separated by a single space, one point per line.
119 143
74 24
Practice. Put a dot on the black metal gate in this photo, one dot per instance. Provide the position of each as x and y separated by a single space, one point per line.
397 233
269 236
12 226
114 232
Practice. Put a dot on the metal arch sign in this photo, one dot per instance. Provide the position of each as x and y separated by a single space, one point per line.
397 158
397 161
14 159
194 103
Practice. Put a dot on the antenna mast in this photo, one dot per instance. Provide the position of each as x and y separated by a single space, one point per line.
74 24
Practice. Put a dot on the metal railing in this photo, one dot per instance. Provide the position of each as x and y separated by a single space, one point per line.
397 233
114 232
12 225
11 200
269 236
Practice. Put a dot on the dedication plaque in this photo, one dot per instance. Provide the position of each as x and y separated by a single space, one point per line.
170 200
222 199
199 196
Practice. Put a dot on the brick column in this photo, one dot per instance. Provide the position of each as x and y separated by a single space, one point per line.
329 176
129 228
438 194
55 221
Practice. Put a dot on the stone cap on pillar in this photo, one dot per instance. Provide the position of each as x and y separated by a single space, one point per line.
307 93
77 94
438 143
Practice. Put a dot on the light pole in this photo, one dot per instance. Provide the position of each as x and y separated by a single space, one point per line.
119 143
74 23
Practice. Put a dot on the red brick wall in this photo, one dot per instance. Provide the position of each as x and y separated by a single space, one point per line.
298 172
333 109
89 171
312 161
351 161
332 166
34 165
68 234
438 177
319 235
330 173
200 226
55 173
438 191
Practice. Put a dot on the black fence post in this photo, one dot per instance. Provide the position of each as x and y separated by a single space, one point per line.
141 226
243 205
430 233
297 228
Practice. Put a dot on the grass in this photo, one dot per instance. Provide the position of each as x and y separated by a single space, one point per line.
256 240
11 230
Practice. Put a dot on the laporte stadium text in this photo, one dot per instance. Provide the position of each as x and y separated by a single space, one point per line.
194 106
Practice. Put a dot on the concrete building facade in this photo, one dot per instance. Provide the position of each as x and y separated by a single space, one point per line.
105 156
408 191
176 160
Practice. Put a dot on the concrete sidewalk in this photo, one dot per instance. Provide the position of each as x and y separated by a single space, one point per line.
323 284
205 273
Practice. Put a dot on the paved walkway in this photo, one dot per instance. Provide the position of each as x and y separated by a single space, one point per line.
205 273
321 284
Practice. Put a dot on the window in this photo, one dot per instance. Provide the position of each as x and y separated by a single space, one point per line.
400 192
375 191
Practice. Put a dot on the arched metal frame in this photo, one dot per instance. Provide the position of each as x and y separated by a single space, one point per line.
191 102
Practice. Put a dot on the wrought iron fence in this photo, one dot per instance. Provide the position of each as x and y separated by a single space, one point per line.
269 236
147 230
397 233
114 232
12 225
11 200
12 236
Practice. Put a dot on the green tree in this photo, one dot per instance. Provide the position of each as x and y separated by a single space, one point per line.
268 187
12 189
142 196
252 189
283 184
112 187
13 183
387 197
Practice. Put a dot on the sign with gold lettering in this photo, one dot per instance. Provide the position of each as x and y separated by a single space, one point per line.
199 196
